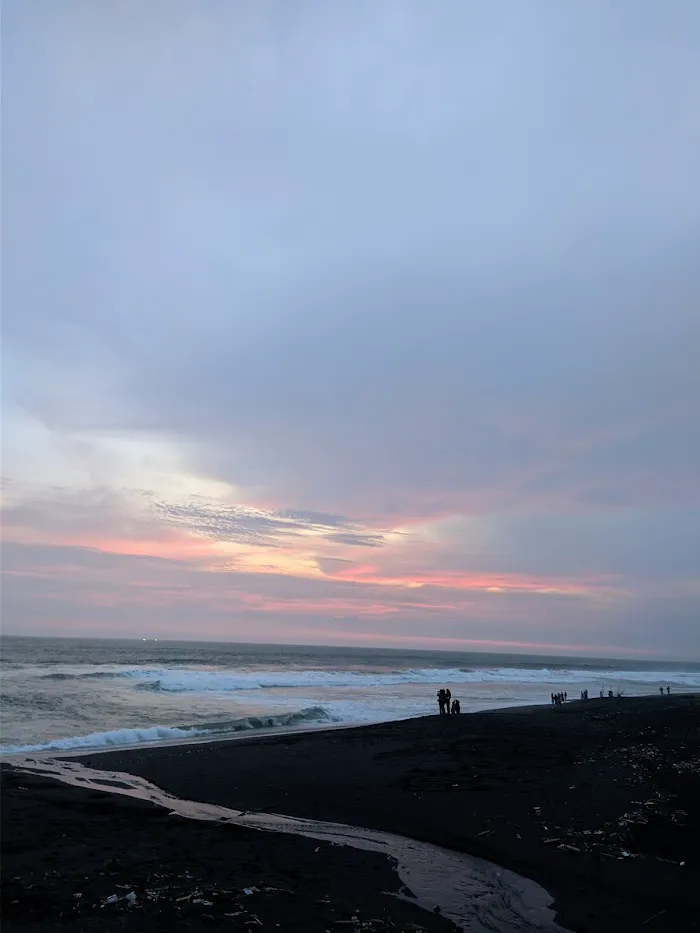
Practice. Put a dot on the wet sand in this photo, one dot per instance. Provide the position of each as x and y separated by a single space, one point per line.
598 802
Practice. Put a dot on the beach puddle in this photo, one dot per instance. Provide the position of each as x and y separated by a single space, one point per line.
475 894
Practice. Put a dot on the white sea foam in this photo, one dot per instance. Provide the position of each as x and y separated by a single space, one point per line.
121 737
183 680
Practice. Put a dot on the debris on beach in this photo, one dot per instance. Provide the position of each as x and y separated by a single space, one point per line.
188 898
691 767
628 836
374 926
175 893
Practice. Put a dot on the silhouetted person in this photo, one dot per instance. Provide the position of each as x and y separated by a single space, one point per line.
448 700
566 696
668 691
610 694
441 701
661 691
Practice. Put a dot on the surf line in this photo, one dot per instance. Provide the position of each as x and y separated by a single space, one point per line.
475 894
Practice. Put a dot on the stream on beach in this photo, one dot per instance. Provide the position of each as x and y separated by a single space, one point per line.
473 893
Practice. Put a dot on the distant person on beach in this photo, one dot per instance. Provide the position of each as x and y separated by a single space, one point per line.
602 693
456 710
566 696
442 701
448 700
661 691
668 691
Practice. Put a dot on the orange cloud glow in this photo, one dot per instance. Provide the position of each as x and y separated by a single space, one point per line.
492 583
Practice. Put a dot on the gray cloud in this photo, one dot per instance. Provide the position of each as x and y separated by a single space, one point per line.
64 511
247 526
316 518
356 540
228 524
631 548
403 254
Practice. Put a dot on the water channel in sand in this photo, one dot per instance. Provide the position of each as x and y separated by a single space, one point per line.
475 894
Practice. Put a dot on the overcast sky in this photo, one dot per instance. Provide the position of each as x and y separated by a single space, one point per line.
362 323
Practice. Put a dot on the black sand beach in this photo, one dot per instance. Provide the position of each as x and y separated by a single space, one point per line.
598 802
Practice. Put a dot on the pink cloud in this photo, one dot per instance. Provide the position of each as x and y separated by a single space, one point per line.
70 590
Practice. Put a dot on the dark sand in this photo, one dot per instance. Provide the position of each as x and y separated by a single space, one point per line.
598 802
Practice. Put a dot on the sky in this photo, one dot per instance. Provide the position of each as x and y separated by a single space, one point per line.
353 323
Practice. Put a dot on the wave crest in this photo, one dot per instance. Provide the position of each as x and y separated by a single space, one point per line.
188 680
122 737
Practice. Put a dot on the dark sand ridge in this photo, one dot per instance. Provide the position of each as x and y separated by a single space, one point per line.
558 796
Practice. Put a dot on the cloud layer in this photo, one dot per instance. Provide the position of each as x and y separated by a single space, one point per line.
394 298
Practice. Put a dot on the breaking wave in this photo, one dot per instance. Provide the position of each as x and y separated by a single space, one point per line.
91 675
183 680
121 737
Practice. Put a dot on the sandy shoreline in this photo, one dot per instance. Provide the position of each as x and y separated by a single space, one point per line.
558 796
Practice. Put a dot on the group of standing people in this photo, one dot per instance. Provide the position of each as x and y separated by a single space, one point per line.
446 704
559 698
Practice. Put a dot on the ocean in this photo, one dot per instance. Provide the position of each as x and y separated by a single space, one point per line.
67 694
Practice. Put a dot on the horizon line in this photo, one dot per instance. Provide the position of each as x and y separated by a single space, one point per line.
355 647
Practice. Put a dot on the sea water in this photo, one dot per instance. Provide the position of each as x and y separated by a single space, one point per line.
67 694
